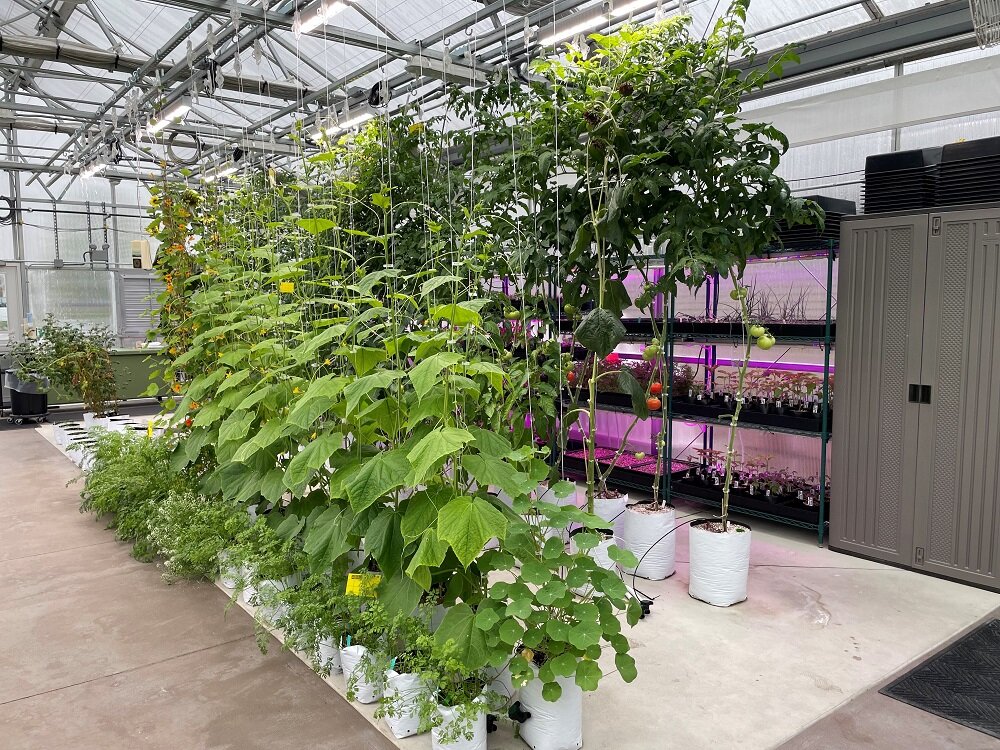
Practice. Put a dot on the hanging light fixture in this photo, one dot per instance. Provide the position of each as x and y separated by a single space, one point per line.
577 23
622 8
225 169
592 19
317 16
345 121
173 112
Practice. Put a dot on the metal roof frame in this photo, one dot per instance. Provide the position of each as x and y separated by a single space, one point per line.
30 75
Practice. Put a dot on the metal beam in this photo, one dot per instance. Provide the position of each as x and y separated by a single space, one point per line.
867 47
275 20
95 57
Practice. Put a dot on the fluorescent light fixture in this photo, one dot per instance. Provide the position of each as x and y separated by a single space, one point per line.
570 26
172 112
223 170
319 15
589 20
351 121
451 71
626 7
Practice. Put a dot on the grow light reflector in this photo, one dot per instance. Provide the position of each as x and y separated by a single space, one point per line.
171 113
319 15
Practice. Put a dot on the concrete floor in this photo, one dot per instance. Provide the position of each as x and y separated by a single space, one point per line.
794 664
97 652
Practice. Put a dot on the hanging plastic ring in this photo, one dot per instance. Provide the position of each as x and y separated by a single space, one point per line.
469 32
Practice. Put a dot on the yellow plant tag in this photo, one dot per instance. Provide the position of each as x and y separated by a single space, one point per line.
149 429
286 287
362 584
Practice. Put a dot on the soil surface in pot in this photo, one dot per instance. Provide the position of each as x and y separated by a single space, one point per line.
716 527
609 495
649 509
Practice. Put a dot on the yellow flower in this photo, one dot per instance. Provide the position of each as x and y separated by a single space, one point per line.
327 362
313 436
296 390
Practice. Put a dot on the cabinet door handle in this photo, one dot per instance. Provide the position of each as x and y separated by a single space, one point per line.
914 395
925 394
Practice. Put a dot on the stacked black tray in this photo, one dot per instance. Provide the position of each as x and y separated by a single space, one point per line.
970 172
902 181
804 236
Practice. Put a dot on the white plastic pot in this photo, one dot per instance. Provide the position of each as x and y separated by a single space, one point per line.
351 658
405 691
328 655
89 419
600 556
720 564
450 715
648 536
553 726
612 510
229 576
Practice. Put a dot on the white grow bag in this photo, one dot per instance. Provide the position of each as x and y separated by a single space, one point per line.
328 655
406 692
612 510
553 726
478 732
351 658
269 610
720 565
648 536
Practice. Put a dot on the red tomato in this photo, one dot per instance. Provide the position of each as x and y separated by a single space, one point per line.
656 388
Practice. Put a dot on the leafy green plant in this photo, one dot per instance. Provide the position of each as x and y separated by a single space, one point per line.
190 530
129 480
75 359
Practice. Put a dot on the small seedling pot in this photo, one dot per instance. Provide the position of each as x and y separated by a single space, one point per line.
649 536
720 563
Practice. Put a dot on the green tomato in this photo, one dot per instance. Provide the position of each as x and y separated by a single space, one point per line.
651 352
739 292
766 341
513 315
757 331
640 456
569 310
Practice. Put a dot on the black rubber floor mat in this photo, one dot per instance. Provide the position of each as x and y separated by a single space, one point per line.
961 683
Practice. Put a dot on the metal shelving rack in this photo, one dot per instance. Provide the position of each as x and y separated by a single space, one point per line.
826 340
824 337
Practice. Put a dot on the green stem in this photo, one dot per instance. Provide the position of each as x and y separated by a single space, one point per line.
740 389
